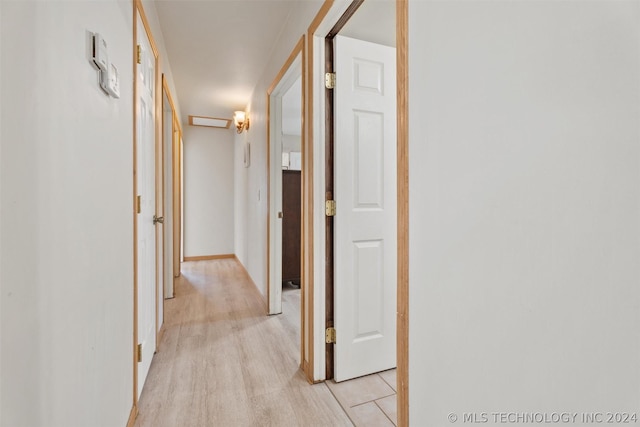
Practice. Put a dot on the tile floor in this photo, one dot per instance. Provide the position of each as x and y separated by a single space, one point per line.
368 401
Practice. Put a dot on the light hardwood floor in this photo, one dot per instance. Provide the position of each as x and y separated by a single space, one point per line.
223 362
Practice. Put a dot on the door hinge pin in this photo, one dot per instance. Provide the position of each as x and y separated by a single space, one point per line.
330 208
139 353
330 80
330 336
139 55
138 204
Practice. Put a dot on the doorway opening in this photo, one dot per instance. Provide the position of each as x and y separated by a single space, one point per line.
341 18
285 129
338 18
361 179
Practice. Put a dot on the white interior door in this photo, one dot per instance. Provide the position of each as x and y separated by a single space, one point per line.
365 223
146 233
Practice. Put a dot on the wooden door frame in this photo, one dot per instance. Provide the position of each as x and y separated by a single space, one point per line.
276 90
329 137
298 51
176 137
313 195
176 172
138 10
168 211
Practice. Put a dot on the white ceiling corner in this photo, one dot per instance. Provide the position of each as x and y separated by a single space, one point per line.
218 50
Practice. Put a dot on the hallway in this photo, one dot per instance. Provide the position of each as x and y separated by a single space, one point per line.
223 362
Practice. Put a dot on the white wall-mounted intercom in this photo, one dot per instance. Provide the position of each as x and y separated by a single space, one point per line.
109 76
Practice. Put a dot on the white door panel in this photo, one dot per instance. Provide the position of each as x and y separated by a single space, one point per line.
366 219
146 233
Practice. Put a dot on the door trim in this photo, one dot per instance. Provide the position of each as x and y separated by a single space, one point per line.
170 210
138 9
176 173
402 82
311 223
297 52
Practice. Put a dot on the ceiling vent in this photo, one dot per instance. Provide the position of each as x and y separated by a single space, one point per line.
210 122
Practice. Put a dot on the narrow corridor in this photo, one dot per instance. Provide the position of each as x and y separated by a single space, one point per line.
223 362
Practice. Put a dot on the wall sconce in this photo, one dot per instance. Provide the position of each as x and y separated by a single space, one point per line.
241 120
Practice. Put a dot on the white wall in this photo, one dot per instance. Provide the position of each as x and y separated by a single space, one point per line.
291 143
66 217
66 200
251 183
524 207
208 191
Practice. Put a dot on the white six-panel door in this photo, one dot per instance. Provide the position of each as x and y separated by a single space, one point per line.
365 193
145 180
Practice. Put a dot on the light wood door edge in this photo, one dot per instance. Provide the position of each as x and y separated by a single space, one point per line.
132 416
208 257
402 62
165 87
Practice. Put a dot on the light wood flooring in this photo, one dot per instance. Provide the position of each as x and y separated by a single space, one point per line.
223 362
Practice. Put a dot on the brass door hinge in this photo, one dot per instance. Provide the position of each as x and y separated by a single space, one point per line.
330 335
330 80
139 55
330 208
139 353
138 204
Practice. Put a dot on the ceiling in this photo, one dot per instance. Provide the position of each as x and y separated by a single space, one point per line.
383 13
219 48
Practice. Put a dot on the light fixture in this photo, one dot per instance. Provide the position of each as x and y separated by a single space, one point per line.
241 120
211 122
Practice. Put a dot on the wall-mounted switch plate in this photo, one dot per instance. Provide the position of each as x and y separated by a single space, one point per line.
100 57
109 76
113 84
